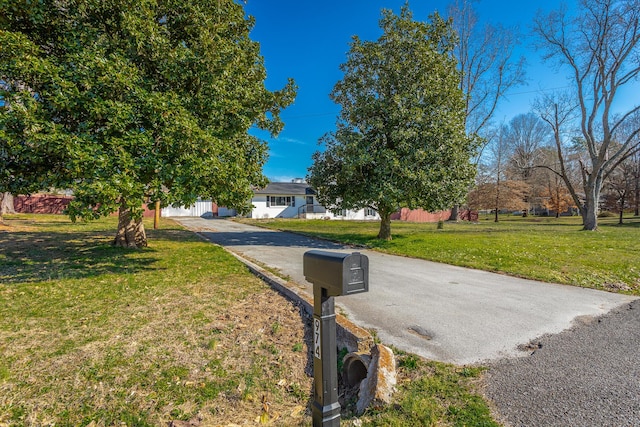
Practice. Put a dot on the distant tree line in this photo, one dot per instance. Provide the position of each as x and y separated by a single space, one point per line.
517 173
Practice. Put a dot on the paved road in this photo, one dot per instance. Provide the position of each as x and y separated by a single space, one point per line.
588 376
441 312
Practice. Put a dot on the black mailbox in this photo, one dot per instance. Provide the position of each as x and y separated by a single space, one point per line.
338 273
332 274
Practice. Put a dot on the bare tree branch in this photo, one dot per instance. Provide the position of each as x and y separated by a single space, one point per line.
601 46
486 58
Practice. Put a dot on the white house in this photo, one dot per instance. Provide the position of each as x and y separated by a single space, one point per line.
277 200
202 208
298 200
286 200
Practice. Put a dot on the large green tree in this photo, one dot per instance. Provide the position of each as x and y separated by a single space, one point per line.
400 139
128 101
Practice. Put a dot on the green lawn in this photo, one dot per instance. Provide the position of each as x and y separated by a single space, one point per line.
101 336
547 249
92 335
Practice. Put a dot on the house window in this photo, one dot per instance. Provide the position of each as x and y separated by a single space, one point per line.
369 212
281 201
341 212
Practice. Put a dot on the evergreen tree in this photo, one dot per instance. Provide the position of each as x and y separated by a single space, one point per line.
127 102
400 139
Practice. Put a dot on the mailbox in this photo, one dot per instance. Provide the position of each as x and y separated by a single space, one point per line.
338 273
332 274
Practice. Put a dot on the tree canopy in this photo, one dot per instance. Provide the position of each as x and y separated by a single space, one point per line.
400 139
128 102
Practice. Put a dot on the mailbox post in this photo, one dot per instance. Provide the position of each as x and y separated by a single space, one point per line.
332 274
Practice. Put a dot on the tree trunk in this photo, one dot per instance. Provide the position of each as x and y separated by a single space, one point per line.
156 215
454 213
622 202
589 211
6 204
637 197
497 197
131 232
385 226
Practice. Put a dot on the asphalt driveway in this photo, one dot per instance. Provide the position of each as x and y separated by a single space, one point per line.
438 311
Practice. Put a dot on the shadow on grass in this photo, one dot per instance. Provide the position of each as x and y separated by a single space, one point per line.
533 222
39 256
627 223
268 238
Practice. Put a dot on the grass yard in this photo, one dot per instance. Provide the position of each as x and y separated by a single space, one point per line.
547 249
92 335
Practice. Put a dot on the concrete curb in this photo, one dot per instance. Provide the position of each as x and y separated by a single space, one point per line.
348 334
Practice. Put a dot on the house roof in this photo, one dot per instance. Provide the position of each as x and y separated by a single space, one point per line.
292 188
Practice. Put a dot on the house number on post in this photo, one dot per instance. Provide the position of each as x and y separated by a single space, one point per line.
317 340
332 274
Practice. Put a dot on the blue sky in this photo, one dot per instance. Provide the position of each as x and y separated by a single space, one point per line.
309 40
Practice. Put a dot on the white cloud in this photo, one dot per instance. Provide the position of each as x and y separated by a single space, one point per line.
291 140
